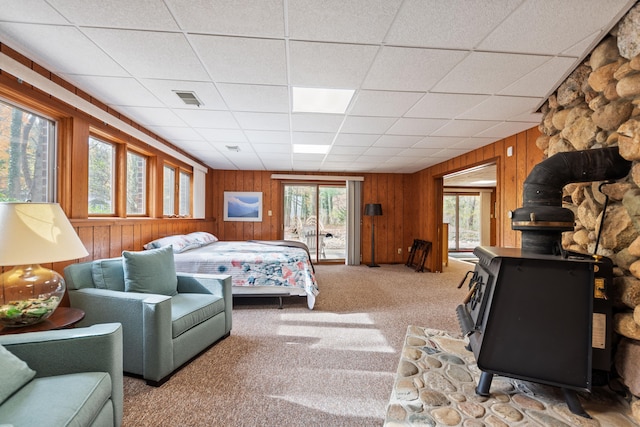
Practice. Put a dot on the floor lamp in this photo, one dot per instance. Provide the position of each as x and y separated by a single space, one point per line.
373 210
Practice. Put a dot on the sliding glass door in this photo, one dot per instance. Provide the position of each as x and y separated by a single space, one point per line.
316 214
462 212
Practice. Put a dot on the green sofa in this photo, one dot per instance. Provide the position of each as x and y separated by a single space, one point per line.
78 377
161 332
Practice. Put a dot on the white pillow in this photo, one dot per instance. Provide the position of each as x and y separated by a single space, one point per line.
14 373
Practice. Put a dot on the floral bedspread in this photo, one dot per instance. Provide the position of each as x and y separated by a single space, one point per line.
253 264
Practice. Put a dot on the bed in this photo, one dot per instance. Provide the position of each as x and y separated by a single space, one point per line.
257 268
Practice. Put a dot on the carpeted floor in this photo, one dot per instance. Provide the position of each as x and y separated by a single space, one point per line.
332 366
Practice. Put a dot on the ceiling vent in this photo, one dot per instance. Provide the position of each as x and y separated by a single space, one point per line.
233 148
188 98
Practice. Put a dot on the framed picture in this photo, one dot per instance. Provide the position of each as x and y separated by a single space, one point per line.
242 206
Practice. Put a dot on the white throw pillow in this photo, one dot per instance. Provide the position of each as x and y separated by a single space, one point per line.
14 373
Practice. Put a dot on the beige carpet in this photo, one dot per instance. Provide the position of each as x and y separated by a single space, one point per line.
332 366
435 385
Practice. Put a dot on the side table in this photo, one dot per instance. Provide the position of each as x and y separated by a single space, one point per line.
63 317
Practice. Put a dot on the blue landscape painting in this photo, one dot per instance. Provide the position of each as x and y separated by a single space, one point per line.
243 207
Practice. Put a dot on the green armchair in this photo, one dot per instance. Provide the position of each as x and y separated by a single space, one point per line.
78 377
161 333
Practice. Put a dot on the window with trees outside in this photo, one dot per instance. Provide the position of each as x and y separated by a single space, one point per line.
102 157
27 156
136 184
176 192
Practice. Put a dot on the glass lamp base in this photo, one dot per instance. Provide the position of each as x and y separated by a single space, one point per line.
30 294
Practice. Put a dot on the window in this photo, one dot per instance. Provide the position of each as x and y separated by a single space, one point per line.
184 194
462 212
136 184
179 192
101 177
27 156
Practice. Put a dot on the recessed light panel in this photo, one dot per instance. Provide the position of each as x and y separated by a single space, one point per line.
321 100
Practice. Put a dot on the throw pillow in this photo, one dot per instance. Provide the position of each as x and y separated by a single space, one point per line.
14 373
202 238
151 272
179 243
108 274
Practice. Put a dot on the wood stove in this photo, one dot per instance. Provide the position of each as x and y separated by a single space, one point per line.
541 313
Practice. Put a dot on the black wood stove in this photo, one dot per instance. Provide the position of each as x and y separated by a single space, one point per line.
541 313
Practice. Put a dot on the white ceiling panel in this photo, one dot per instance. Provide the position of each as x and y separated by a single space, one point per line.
330 65
355 21
150 54
433 79
238 17
429 22
242 60
551 32
444 105
139 14
256 98
384 103
263 121
488 73
410 69
57 48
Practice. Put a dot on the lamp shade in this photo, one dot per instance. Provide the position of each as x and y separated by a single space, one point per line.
373 209
37 233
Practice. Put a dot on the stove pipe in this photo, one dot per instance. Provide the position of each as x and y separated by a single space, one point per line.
542 219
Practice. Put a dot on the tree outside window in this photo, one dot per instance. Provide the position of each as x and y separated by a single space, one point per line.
176 192
136 184
27 156
101 177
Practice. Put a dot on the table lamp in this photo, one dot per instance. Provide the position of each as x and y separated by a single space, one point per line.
33 233
374 210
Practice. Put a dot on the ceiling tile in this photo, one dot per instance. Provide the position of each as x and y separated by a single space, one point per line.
152 116
257 98
418 152
488 73
340 149
239 17
438 142
429 23
139 14
411 126
383 151
316 122
357 21
420 70
263 121
165 91
115 90
30 11
268 137
444 105
342 158
60 49
208 119
473 143
372 125
501 108
464 127
222 135
397 141
329 65
242 59
558 25
536 82
356 139
319 138
272 148
177 133
150 54
383 103
505 129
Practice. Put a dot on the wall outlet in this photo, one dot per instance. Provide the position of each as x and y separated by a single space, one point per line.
269 213
399 251
409 249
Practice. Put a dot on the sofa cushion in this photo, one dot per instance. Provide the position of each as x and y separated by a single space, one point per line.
108 274
14 373
189 310
151 272
72 399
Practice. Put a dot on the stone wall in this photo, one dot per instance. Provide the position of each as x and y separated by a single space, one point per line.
598 105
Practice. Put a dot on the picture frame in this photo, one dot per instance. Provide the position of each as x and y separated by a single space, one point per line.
243 206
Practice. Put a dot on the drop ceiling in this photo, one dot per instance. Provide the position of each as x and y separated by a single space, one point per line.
433 79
